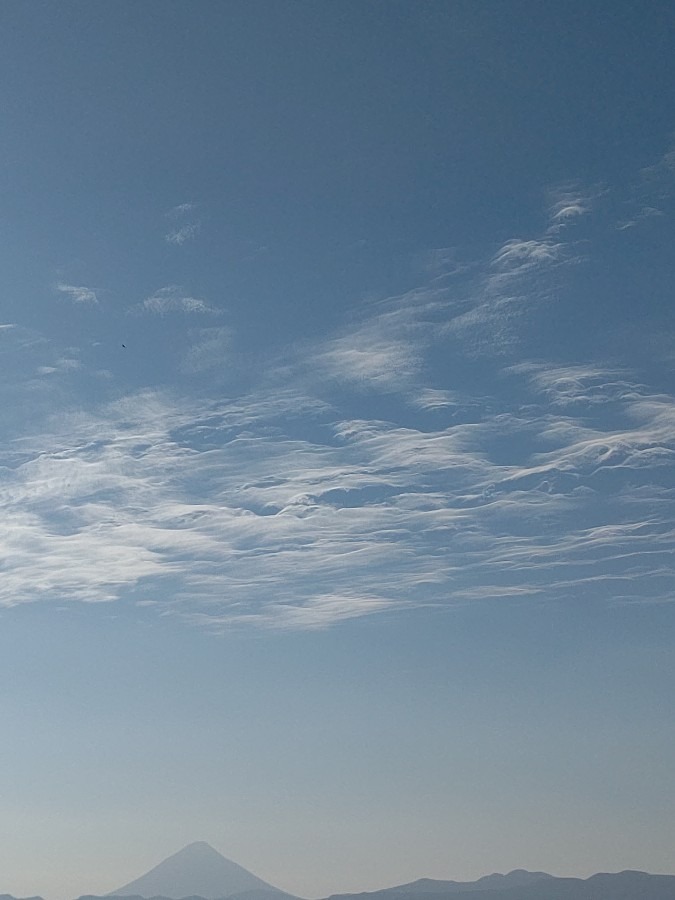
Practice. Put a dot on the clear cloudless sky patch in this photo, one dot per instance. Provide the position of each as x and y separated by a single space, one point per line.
337 439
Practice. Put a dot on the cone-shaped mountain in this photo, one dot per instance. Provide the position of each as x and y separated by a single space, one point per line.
196 870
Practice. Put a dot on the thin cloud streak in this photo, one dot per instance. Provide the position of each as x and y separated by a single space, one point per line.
78 293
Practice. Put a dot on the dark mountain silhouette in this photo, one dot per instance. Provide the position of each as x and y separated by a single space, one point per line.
521 885
10 897
496 881
197 871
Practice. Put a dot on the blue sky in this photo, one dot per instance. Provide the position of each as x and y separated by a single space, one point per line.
337 439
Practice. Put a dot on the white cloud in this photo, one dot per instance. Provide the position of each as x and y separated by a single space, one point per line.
663 168
369 358
61 365
316 613
181 209
565 385
186 224
569 208
183 233
271 511
434 398
519 256
173 299
444 262
78 294
569 204
646 213
278 509
485 311
383 351
211 348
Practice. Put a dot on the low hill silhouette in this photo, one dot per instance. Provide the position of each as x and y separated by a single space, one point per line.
628 885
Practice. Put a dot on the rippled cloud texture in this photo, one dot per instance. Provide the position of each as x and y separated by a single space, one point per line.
445 445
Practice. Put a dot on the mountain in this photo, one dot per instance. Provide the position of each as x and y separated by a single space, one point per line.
522 885
10 897
496 881
198 870
435 887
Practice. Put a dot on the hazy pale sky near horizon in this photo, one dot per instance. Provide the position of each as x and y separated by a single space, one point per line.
337 439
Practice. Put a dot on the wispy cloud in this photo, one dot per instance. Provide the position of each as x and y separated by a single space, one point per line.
587 385
383 351
173 298
519 256
210 349
443 261
663 168
644 214
272 511
434 398
488 305
312 498
369 358
61 365
182 209
183 233
568 204
185 223
316 613
78 293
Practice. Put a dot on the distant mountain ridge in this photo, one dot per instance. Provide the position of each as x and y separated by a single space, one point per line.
522 885
198 872
496 881
10 897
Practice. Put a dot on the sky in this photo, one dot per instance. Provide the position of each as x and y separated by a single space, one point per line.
337 439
